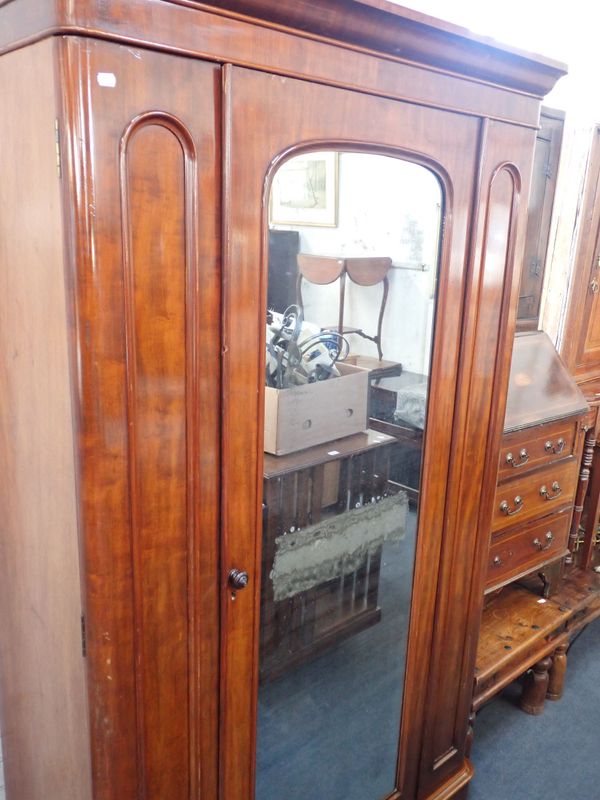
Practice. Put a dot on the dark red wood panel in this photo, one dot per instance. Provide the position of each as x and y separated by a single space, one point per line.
143 175
155 296
285 115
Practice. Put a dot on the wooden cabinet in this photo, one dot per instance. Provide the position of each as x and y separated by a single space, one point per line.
528 547
580 347
580 341
537 507
139 143
539 463
541 202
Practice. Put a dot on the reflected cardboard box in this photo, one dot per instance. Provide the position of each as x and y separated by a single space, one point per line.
304 416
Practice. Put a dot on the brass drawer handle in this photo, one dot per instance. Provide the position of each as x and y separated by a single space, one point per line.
549 539
523 458
557 491
506 509
557 448
497 562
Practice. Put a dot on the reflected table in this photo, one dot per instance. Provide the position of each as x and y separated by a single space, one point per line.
326 513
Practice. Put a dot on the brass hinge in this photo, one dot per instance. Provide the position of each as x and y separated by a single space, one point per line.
57 146
83 637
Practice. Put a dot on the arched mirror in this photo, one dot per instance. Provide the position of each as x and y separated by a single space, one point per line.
354 241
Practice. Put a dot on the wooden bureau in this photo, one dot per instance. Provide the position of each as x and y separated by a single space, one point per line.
539 463
528 625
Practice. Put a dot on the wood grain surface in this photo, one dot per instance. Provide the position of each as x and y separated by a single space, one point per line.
142 174
44 714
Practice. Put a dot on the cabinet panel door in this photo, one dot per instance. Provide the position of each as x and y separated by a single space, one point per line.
143 184
267 120
581 345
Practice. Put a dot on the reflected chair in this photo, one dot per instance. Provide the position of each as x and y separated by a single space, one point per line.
323 270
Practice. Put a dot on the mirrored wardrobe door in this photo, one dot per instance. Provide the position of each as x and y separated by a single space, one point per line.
343 311
353 263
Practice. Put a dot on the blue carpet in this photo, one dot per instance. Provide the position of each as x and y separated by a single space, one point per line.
328 729
554 756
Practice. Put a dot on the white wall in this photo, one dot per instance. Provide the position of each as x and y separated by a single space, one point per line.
387 207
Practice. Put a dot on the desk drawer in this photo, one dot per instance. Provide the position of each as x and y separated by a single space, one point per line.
533 545
535 494
533 447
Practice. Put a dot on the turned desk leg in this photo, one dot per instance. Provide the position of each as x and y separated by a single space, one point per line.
556 678
536 686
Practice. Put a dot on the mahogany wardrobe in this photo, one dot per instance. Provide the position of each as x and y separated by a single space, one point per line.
139 140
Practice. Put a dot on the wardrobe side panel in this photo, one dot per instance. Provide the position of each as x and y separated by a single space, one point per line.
488 330
144 178
42 677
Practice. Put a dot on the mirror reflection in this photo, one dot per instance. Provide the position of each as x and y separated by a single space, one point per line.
353 253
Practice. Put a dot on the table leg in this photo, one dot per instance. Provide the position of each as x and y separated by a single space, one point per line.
556 678
536 686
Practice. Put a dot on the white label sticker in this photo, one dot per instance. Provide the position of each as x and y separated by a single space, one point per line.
333 453
108 79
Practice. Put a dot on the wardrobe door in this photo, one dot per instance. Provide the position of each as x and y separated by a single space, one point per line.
140 153
273 122
581 345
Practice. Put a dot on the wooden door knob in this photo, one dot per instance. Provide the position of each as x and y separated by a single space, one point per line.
238 579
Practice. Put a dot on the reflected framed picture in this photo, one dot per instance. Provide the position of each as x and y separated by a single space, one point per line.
305 191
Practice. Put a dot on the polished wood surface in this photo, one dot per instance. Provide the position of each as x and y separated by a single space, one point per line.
375 24
536 446
43 703
534 504
556 678
580 347
214 33
581 342
394 29
527 548
540 493
142 190
299 112
169 462
520 628
539 218
536 686
541 388
498 241
512 623
274 466
587 493
532 453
